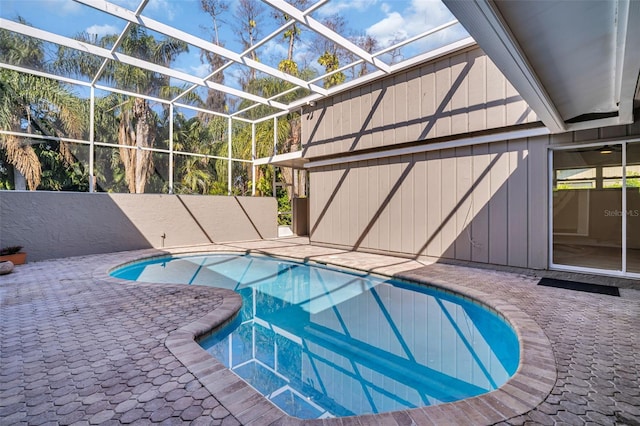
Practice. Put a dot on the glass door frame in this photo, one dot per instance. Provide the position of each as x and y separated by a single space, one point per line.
550 175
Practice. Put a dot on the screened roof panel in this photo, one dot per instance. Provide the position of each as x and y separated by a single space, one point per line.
136 80
257 112
143 43
249 41
169 13
416 45
193 96
292 95
57 17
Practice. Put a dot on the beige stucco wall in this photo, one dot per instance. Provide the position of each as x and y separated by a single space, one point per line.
60 224
461 93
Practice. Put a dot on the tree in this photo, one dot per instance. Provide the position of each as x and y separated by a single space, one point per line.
216 100
329 52
248 15
291 35
35 105
137 122
197 175
369 45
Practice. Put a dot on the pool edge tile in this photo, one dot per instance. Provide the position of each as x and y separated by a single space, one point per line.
537 361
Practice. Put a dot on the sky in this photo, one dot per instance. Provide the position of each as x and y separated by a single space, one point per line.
385 20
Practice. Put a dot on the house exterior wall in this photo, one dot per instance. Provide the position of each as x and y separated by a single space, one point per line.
483 202
455 95
62 224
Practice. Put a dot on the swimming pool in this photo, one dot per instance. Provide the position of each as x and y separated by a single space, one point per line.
321 342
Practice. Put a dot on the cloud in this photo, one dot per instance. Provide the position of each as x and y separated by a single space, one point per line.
165 7
63 8
340 6
418 17
168 9
389 29
273 50
102 30
129 4
201 70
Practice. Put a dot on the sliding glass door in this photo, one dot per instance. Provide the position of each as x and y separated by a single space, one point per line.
633 207
596 208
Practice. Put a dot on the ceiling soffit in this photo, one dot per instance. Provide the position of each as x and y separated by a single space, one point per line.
575 62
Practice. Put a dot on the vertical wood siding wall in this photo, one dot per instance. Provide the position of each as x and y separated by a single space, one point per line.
484 203
455 95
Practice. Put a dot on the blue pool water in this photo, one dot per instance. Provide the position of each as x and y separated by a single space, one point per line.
322 342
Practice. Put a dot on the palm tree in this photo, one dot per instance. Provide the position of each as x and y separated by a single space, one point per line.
197 175
36 105
137 121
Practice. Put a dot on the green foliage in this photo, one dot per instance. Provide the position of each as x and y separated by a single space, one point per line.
330 62
284 203
59 175
289 66
5 251
46 107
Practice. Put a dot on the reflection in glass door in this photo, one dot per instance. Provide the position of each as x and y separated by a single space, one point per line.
633 207
587 211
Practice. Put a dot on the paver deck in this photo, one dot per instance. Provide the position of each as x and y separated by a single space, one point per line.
79 347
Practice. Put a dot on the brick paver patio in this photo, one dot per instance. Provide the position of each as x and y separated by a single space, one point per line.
77 347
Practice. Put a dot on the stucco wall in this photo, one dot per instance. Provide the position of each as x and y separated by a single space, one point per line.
464 92
60 224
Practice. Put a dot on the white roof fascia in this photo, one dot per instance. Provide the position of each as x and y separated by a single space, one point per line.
432 146
434 54
594 124
278 157
129 60
195 41
485 24
299 16
628 64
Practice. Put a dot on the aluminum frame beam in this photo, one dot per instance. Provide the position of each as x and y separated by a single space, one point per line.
322 29
167 30
130 60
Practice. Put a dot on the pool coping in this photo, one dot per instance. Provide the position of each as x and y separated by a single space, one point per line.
526 389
